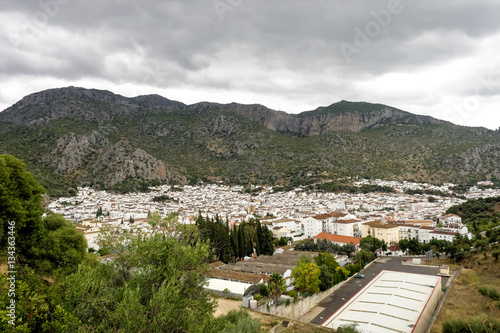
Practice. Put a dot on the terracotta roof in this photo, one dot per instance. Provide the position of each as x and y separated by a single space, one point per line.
347 221
336 214
338 238
322 216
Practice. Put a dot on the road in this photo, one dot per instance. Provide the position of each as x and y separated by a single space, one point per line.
336 300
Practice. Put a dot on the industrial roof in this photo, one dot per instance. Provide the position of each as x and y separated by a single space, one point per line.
391 302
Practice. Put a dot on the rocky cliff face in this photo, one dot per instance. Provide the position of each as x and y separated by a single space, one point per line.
121 161
321 121
72 151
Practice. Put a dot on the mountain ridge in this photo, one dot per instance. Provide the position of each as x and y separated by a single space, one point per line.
71 136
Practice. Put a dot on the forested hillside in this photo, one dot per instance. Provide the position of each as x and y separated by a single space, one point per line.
72 137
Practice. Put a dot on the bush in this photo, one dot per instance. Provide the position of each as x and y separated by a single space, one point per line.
287 302
348 328
483 290
471 325
258 297
493 293
489 292
239 321
264 290
293 294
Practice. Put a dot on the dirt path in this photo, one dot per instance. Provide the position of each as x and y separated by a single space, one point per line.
226 305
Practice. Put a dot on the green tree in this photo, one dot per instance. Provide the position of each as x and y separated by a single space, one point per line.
364 256
21 204
234 241
62 247
148 287
306 275
404 244
370 243
241 242
414 246
276 285
267 246
328 267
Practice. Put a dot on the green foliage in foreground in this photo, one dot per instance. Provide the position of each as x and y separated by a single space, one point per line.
236 322
154 284
46 244
348 328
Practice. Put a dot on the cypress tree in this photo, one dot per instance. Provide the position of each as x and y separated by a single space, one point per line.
257 246
267 247
248 244
241 241
234 242
260 239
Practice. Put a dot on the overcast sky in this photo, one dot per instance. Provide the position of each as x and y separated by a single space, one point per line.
438 58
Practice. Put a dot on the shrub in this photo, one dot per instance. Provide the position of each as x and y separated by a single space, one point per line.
264 290
287 302
258 297
483 290
348 328
489 292
471 325
239 321
293 294
493 293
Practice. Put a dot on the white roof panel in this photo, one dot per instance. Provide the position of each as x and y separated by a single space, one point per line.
391 302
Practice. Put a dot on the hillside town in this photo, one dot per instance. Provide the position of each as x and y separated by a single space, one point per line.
295 215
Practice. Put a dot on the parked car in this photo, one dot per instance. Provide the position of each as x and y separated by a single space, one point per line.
359 276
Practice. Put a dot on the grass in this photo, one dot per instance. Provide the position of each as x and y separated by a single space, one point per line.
464 301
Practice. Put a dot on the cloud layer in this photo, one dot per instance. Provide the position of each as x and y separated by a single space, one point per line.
427 57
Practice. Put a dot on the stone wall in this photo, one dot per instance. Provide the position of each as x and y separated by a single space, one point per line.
296 310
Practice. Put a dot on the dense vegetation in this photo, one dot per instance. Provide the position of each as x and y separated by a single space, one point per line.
324 245
153 284
228 244
482 217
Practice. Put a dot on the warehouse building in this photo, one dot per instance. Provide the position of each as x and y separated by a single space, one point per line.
392 302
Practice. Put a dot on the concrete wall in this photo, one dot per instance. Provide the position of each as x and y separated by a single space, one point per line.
303 305
223 295
426 315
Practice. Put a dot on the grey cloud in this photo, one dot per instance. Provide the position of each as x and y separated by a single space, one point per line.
182 43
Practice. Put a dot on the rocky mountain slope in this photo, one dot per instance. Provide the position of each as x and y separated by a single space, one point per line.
75 136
